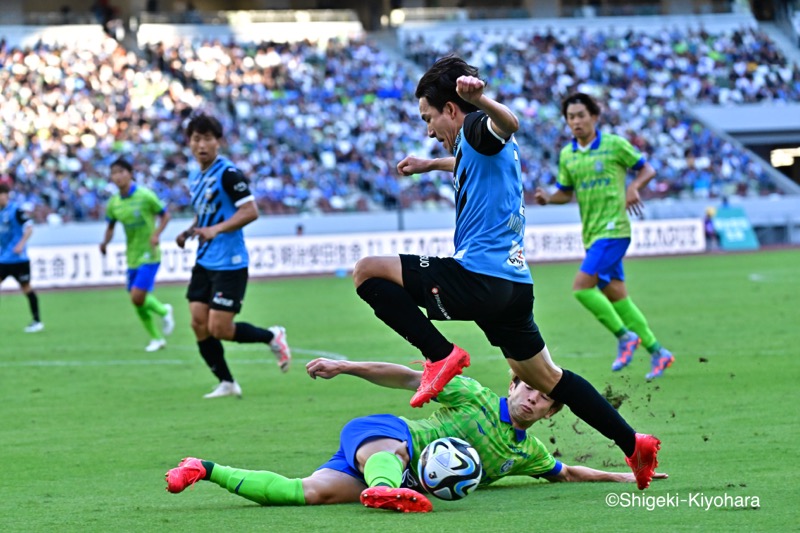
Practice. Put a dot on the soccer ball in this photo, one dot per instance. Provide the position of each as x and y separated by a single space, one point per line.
449 468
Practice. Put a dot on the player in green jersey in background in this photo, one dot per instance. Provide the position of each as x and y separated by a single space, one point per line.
594 166
137 207
377 460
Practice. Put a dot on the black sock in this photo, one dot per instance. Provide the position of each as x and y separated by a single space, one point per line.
209 466
397 309
588 405
33 301
247 333
214 355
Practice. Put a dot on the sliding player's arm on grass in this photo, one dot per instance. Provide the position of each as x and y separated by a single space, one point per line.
384 374
583 473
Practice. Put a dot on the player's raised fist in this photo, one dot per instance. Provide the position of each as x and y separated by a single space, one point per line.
470 88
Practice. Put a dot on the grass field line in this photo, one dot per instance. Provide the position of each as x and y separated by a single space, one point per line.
192 348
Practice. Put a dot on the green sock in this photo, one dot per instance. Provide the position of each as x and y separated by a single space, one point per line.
260 486
383 468
147 320
636 321
151 303
602 309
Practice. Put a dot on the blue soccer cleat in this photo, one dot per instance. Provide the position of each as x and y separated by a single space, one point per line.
660 361
627 345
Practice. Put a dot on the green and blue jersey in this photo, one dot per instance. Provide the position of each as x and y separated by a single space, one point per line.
137 213
597 176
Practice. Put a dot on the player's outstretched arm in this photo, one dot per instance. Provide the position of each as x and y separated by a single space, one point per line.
414 165
384 374
583 473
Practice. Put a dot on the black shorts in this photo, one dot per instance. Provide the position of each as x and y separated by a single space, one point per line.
222 290
503 309
19 271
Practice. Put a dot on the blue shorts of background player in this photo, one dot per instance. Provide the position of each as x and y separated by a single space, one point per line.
143 278
604 258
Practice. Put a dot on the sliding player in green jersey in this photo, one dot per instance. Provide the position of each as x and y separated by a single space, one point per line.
594 166
377 459
137 208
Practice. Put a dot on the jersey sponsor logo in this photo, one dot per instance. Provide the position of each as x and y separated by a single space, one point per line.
219 299
516 256
597 182
424 261
439 304
206 209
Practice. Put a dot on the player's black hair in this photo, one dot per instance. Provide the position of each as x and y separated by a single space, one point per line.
516 380
581 98
4 188
202 123
438 85
123 163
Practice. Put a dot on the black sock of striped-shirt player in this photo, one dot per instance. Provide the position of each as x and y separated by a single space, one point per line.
33 302
591 407
248 333
397 309
214 355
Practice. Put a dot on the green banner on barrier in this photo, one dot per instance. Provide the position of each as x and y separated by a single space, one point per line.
734 230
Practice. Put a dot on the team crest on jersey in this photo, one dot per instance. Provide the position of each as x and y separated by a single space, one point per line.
598 166
508 465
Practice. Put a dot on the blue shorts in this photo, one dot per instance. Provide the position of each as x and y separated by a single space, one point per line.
357 432
143 278
604 258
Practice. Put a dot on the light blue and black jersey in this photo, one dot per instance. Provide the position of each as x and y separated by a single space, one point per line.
13 220
490 211
217 193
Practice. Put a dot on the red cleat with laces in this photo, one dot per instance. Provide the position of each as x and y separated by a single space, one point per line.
435 375
188 472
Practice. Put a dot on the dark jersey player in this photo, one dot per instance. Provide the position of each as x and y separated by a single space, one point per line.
487 280
223 205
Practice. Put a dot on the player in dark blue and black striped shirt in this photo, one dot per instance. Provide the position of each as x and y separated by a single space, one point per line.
487 280
223 205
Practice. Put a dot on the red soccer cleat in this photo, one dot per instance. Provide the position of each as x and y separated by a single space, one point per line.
402 500
643 462
188 472
435 375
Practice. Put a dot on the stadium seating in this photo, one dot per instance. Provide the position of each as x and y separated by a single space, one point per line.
319 128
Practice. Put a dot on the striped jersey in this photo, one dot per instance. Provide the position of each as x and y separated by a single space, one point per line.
13 221
217 193
137 212
490 211
597 175
477 415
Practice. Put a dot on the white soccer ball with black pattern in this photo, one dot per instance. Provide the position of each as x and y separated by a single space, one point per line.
449 468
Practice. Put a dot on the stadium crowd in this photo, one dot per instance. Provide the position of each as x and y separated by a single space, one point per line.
321 128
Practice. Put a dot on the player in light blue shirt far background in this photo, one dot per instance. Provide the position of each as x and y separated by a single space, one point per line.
15 230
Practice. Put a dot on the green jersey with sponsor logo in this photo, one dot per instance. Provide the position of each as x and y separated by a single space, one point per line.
137 213
477 415
597 175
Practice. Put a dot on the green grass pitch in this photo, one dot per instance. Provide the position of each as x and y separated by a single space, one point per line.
90 422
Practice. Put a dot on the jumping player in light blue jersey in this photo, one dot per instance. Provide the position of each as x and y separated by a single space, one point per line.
223 205
488 280
15 230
